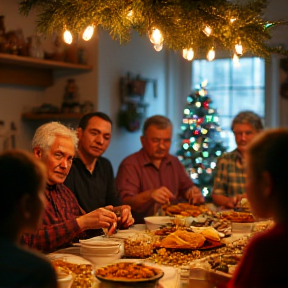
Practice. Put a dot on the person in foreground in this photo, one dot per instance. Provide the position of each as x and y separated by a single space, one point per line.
152 177
91 177
23 180
64 220
263 264
230 176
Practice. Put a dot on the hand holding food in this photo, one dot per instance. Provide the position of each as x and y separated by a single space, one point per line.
162 195
194 195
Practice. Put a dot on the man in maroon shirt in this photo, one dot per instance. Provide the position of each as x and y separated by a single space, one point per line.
151 177
64 220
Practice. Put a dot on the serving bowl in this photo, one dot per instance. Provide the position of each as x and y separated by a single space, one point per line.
101 259
154 222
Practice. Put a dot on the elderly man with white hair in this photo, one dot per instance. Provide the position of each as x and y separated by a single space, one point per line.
64 221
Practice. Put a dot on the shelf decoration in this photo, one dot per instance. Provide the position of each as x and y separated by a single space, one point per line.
201 27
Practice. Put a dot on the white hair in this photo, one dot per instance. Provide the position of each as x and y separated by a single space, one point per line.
45 135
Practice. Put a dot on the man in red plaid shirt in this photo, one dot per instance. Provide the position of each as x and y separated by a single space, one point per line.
64 221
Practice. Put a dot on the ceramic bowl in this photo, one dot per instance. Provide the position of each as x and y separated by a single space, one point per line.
101 259
64 278
154 222
100 249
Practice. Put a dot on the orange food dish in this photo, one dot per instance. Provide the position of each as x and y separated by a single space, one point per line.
185 209
239 217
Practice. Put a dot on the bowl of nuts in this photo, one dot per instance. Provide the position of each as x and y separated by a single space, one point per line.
140 246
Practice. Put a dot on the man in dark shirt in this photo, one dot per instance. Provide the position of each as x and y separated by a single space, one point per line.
91 177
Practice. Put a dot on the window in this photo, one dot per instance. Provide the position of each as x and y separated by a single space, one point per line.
232 88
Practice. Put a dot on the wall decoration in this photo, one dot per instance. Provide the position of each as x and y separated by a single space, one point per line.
133 106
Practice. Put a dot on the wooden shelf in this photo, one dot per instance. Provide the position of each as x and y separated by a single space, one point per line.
28 71
51 116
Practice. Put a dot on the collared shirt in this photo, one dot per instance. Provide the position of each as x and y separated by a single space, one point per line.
96 189
59 227
137 174
230 176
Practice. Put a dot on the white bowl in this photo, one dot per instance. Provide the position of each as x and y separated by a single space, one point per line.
101 259
98 241
154 222
64 281
100 249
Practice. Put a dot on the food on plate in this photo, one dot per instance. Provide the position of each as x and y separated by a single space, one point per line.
183 239
208 232
128 270
83 276
185 209
240 217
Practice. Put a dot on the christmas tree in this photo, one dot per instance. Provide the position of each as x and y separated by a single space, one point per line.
201 143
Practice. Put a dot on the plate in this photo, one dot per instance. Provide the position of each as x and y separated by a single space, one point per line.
69 258
208 244
159 275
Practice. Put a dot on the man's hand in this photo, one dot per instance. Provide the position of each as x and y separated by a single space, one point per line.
97 219
194 195
162 195
126 216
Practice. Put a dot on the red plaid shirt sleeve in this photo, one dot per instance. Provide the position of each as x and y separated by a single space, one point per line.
59 228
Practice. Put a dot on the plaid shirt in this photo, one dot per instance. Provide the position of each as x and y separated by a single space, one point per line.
230 177
59 226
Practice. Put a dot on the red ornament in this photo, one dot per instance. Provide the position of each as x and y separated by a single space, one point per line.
196 132
200 120
206 104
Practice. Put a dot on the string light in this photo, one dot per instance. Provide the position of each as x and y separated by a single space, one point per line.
236 61
158 47
207 31
130 14
88 33
156 36
188 54
232 20
239 49
68 38
211 54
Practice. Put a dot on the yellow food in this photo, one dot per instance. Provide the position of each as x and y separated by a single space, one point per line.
183 239
211 234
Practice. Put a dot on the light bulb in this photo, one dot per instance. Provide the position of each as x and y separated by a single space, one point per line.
211 54
130 14
156 36
88 33
68 38
232 20
239 49
207 31
236 61
188 54
158 47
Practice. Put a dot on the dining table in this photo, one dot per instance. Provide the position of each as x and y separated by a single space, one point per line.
175 276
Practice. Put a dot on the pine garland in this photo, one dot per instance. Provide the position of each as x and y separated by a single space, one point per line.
180 21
